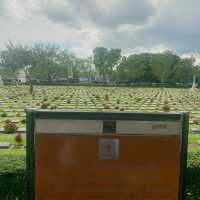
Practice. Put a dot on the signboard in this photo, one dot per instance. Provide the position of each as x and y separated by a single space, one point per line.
93 156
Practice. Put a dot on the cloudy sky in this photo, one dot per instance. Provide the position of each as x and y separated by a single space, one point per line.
80 25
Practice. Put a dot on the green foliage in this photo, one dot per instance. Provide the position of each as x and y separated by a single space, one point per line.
184 73
166 68
100 55
9 127
44 105
13 58
193 138
4 114
47 63
31 89
12 175
166 108
105 60
193 176
11 138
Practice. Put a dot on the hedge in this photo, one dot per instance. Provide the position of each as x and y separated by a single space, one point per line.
12 176
193 176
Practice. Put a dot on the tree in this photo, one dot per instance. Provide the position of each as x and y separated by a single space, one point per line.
13 59
45 63
49 63
123 74
105 61
100 59
137 68
68 61
86 68
163 66
184 71
112 60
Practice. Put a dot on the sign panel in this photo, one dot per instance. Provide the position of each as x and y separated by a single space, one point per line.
108 149
92 156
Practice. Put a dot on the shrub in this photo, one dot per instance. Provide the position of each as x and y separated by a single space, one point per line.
18 138
4 114
97 97
106 106
121 109
31 89
44 105
166 108
116 107
12 176
18 114
45 98
107 97
193 176
23 121
10 127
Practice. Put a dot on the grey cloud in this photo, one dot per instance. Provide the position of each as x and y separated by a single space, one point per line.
18 9
3 8
175 26
123 12
108 13
58 11
178 26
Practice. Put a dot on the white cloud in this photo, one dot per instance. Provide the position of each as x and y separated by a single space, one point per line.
18 9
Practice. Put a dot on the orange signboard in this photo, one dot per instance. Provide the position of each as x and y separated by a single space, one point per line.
78 160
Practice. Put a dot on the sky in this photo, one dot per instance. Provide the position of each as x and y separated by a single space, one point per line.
135 26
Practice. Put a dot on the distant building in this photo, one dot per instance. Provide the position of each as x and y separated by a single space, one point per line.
1 82
22 77
84 79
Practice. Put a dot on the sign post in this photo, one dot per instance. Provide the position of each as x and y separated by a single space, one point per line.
110 156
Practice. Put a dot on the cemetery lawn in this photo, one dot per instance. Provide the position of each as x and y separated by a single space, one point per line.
15 99
11 138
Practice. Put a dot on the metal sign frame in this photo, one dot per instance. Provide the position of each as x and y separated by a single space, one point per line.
32 115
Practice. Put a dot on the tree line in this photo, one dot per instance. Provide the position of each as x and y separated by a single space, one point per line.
50 63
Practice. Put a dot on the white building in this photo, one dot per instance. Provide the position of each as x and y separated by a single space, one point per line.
22 76
1 82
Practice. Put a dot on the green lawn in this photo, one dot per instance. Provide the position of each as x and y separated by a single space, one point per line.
11 138
15 152
193 138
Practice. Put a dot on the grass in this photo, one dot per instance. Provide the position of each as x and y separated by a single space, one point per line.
193 138
17 152
14 100
11 138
